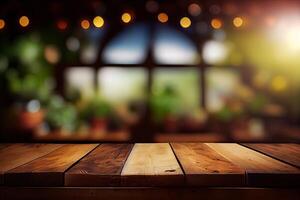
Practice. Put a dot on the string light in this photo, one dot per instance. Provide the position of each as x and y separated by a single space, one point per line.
163 17
2 23
185 22
126 17
24 21
98 21
216 23
238 22
85 24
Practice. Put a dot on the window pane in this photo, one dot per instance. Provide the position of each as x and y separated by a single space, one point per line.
129 47
122 85
221 85
183 82
80 79
173 47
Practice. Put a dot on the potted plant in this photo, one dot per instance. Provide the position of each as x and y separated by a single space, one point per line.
30 91
28 81
165 107
97 112
61 116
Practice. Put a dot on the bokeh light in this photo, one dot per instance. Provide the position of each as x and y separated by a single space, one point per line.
24 21
62 25
2 23
126 17
162 17
152 6
85 24
194 9
98 21
216 23
185 22
73 44
51 54
238 22
279 83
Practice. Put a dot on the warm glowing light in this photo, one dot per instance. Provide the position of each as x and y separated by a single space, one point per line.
194 9
286 31
270 21
2 23
62 24
163 17
51 54
126 17
216 23
24 21
185 22
279 83
85 24
238 22
98 22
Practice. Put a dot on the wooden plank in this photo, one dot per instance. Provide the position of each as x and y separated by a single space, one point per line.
205 167
15 155
3 145
102 167
289 153
261 169
147 193
49 169
152 165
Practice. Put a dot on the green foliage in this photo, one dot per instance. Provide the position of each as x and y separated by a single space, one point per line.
165 103
97 108
61 115
28 75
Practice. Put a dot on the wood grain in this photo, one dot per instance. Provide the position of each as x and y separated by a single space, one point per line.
152 165
15 155
49 169
4 145
289 153
261 169
102 167
205 167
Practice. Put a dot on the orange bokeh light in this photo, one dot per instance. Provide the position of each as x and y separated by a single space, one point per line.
162 17
85 24
216 23
238 22
2 23
24 21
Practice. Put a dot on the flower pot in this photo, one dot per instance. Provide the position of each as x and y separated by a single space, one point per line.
98 125
30 120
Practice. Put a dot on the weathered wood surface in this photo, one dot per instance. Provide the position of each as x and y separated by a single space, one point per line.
209 164
152 165
205 167
102 167
261 170
48 170
14 155
289 153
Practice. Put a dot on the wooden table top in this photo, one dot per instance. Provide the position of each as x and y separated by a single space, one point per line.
150 164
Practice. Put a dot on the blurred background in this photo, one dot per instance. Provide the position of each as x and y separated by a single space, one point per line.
150 71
